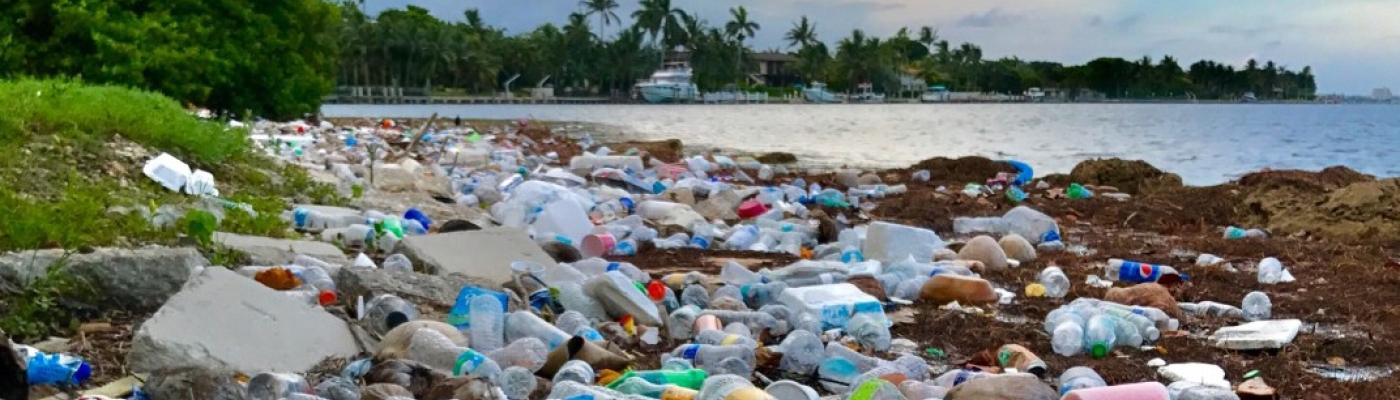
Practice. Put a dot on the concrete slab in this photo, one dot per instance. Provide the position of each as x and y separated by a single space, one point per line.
1258 335
270 251
138 279
485 254
227 322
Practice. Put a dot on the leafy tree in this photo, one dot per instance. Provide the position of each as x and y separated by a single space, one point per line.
604 10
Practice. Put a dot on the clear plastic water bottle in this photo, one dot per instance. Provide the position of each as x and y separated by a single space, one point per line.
1055 282
487 323
398 262
276 386
338 388
1068 337
1257 306
733 273
703 234
527 352
640 387
731 387
672 242
569 390
517 383
1033 225
1187 390
387 311
1099 335
709 357
862 362
575 323
695 295
575 371
802 352
758 295
1080 378
954 378
921 176
573 297
837 374
757 321
869 329
722 338
1211 308
523 324
742 237
625 247
1270 271
679 324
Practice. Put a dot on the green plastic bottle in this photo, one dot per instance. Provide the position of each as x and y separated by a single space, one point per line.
1076 191
392 225
689 379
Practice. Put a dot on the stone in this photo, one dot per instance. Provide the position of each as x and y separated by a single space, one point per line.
426 291
848 177
272 251
227 322
561 252
1146 295
129 279
1205 374
193 383
1255 389
946 288
1257 335
1017 248
869 179
485 254
986 250
1017 386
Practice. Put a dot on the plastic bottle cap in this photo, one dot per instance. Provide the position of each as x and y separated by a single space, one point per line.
656 290
1099 350
326 297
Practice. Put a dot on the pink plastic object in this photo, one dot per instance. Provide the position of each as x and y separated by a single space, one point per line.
751 208
1135 391
597 244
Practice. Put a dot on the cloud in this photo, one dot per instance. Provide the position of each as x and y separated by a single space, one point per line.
1095 21
1276 43
992 18
1233 30
1129 22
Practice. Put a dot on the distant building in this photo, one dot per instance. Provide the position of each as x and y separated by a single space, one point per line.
1382 95
774 69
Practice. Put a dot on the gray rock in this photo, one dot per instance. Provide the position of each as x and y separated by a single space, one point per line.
1018 386
128 279
485 254
270 251
227 322
434 291
193 383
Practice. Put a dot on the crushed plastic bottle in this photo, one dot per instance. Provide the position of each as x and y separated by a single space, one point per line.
487 330
1256 306
1055 282
1080 378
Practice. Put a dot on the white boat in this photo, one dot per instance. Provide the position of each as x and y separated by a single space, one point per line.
867 95
935 94
670 84
1248 98
818 94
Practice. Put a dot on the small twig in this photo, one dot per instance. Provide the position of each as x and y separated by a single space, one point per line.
1130 218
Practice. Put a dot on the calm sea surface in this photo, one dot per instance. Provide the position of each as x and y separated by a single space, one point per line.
1205 143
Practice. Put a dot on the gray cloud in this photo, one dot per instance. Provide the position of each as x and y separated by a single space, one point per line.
1232 30
1124 24
1095 21
992 18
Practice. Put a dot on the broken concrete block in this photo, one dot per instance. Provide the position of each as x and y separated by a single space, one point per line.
270 251
227 322
485 254
431 291
128 279
1257 335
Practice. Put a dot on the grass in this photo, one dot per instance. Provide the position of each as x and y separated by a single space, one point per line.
35 309
71 152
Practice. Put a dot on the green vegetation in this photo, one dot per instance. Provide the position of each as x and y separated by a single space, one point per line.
273 58
71 156
34 310
412 49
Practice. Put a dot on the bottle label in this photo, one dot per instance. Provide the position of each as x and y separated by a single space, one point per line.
674 392
963 376
690 351
835 316
612 266
1052 236
729 339
468 362
1136 272
700 242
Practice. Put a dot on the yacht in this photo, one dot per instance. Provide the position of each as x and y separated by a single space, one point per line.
867 95
1248 98
670 84
818 94
935 94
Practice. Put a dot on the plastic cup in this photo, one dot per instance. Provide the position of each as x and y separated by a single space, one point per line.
597 244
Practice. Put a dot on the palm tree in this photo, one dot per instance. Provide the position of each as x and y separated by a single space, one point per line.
740 27
604 10
803 33
928 36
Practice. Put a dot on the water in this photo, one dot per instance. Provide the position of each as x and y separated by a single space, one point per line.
1204 143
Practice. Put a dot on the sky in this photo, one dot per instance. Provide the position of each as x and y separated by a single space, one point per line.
1352 45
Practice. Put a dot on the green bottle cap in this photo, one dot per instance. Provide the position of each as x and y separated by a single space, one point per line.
1099 350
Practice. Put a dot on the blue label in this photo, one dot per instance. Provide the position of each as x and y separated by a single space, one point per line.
300 217
626 249
963 376
1052 236
700 242
835 316
690 351
613 266
590 334
868 307
1136 272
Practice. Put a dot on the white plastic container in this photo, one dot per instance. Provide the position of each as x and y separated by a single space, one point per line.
833 303
564 218
587 161
891 242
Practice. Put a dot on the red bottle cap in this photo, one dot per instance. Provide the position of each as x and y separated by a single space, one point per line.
656 290
326 297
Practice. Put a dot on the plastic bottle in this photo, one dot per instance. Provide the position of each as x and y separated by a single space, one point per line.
913 389
757 321
573 297
487 324
863 363
275 386
523 324
575 371
1068 337
837 374
530 353
695 295
1055 282
386 311
54 369
802 352
398 262
722 338
869 329
1270 271
672 242
733 273
460 315
435 350
954 378
742 237
338 388
1080 378
731 387
640 387
709 357
1033 225
692 379
758 295
1186 390
679 323
517 383
702 235
1135 272
573 322
1099 335
570 390
1211 308
1256 306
